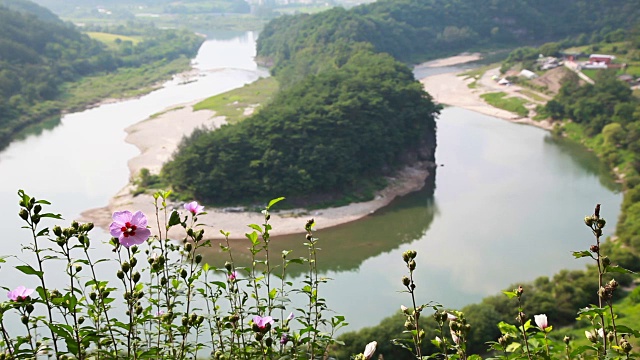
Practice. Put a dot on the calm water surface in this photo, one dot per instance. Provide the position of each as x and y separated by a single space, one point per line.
505 206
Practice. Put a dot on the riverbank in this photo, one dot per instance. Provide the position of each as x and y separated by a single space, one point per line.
453 89
159 136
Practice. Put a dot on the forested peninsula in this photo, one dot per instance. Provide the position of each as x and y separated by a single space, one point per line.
43 59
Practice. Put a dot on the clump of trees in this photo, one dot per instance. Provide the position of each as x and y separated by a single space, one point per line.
328 134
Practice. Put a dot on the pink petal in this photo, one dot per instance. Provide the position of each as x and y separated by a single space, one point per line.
115 229
139 220
122 217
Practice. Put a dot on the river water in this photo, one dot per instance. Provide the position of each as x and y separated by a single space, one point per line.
506 204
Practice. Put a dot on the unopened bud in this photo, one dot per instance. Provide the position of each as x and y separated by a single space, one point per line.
23 214
605 261
625 346
188 247
601 223
566 340
228 266
125 267
24 319
136 277
406 281
412 265
198 258
183 273
120 274
57 231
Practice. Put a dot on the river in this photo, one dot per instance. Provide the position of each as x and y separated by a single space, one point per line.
506 204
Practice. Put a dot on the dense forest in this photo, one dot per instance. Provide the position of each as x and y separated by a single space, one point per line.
413 30
329 135
38 56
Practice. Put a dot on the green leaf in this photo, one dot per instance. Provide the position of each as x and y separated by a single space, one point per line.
256 228
510 294
617 269
274 201
581 254
27 269
253 237
174 219
581 349
273 293
206 267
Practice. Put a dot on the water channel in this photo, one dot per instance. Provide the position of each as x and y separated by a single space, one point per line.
506 204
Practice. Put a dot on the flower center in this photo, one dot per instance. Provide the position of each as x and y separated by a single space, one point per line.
128 229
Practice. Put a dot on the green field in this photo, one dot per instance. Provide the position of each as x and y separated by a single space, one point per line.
512 104
233 104
112 39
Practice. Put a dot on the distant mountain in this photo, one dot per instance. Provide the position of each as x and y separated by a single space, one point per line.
29 7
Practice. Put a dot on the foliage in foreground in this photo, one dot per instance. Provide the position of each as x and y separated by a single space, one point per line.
172 305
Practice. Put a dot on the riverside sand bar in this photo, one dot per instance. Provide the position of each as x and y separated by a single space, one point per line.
158 137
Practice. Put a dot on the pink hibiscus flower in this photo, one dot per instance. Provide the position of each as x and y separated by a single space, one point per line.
130 229
193 207
20 293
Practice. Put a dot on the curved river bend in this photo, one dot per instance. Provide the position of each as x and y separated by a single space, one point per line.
505 206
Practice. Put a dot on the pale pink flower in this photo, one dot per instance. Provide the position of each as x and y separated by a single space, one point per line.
233 276
193 207
455 338
370 349
130 229
450 317
290 317
262 321
20 293
541 321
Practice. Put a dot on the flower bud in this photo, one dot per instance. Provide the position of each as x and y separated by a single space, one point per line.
409 325
136 277
29 308
23 214
601 223
188 247
605 261
24 319
268 341
625 346
133 262
120 274
412 265
613 284
87 227
57 231
591 336
198 258
267 217
228 266
519 290
405 256
588 220
405 281
78 268
566 340
125 267
37 209
412 254
185 321
183 273
594 248
80 320
93 296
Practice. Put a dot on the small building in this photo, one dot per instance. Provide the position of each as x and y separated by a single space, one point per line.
600 58
528 74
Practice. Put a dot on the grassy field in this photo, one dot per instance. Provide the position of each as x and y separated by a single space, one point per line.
111 39
233 104
512 104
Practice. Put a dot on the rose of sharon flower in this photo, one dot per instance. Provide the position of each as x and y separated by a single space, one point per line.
261 322
370 349
20 293
233 276
541 321
130 229
193 207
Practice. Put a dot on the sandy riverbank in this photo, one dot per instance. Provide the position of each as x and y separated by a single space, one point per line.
453 89
159 136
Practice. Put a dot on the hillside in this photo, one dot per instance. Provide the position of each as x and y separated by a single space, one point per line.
414 30
40 60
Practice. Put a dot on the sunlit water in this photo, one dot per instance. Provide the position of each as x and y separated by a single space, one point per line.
507 203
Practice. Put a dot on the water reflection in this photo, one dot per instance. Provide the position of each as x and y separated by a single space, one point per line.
586 160
346 247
